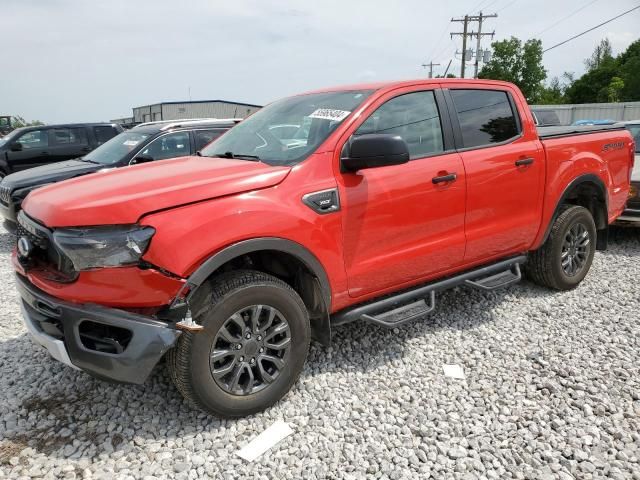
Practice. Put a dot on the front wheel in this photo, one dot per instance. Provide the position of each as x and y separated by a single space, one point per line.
564 259
252 349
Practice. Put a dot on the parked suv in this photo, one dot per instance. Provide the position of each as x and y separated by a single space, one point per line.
29 147
631 215
144 143
231 261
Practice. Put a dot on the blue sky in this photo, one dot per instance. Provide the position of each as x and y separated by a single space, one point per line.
81 60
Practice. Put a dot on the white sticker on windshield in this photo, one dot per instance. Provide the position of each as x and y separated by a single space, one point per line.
330 114
131 143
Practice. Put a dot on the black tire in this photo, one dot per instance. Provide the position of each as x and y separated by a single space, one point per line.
545 265
189 361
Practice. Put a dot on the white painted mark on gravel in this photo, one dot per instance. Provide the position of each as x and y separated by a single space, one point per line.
453 371
266 440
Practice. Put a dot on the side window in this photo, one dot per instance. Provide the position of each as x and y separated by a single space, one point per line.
485 116
103 134
34 139
413 116
169 146
204 137
70 136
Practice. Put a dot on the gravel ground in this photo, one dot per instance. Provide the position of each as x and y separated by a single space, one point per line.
552 391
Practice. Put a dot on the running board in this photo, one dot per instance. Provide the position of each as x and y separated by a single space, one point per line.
407 306
498 280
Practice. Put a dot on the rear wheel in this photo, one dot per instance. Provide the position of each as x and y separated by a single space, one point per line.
252 349
564 259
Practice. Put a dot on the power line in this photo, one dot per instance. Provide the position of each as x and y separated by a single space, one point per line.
507 5
565 18
591 29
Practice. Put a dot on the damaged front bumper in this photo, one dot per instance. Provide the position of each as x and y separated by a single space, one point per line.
106 342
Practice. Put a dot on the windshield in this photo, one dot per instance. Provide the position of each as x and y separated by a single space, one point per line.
9 137
117 148
287 131
635 133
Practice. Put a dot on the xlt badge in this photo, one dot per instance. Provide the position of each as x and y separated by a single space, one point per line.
324 201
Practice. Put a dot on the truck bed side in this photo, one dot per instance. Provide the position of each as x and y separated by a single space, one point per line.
576 154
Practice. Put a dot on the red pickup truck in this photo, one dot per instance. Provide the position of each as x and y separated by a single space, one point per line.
373 199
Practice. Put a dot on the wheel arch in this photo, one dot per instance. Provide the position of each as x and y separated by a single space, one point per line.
588 191
286 259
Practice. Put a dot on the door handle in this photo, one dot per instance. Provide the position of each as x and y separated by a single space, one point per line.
450 177
44 153
524 161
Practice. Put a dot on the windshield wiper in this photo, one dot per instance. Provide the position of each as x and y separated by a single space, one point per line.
239 156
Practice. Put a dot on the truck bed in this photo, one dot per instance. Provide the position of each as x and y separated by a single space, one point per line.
565 131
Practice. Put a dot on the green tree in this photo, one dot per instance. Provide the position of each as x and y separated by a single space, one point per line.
608 78
603 54
629 72
518 63
611 93
555 92
18 122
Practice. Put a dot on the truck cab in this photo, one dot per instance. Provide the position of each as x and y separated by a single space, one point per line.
229 262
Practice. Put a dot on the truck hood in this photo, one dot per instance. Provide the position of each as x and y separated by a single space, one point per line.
54 172
124 195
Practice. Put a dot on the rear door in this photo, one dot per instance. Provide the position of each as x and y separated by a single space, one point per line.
398 225
68 142
504 168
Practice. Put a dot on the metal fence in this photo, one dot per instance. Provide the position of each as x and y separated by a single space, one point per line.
594 111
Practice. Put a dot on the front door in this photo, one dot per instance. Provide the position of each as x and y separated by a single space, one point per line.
398 225
34 150
504 163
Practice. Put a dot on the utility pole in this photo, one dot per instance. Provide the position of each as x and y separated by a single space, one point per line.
466 33
479 36
464 40
430 65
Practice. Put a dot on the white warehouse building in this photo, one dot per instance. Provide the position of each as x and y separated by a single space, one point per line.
190 109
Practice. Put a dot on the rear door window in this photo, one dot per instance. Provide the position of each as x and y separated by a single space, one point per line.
69 137
485 117
104 133
205 137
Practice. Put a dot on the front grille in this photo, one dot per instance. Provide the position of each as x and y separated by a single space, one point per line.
45 256
5 194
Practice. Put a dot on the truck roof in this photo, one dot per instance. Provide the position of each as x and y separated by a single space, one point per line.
406 83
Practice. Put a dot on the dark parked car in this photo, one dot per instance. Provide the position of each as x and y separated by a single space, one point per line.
33 146
144 143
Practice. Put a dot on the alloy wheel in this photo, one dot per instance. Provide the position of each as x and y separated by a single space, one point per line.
575 249
250 350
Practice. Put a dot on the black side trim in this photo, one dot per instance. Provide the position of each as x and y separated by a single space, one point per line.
558 132
445 120
588 178
203 272
357 312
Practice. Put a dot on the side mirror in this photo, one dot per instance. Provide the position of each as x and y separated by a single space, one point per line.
142 158
375 150
16 147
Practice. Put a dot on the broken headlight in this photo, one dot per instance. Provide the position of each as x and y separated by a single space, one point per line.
110 246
